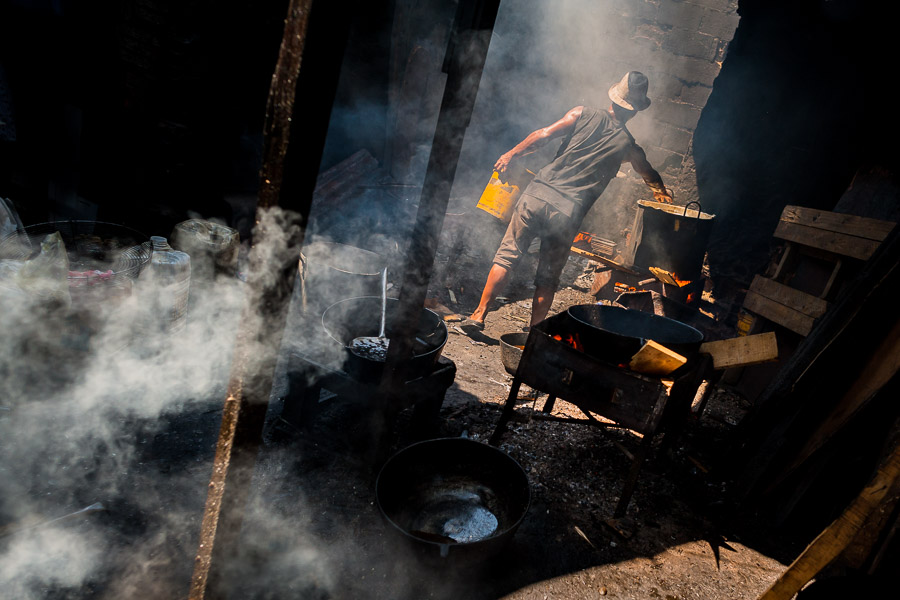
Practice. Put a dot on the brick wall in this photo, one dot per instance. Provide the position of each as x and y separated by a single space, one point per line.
680 45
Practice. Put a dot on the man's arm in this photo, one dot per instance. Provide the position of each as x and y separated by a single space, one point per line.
539 137
651 176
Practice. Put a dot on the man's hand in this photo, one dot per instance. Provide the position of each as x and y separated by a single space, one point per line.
503 162
663 196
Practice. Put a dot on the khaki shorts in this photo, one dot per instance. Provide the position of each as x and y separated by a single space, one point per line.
535 218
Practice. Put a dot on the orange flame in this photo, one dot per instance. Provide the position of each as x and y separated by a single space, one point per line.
680 282
572 340
583 240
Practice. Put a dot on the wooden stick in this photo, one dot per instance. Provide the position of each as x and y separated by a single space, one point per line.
287 178
837 536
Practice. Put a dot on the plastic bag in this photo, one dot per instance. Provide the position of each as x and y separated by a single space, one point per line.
46 275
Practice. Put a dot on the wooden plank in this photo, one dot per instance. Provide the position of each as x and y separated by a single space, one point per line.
788 256
287 179
863 227
831 279
742 351
807 304
655 359
779 313
602 260
664 276
837 536
830 241
873 542
345 173
884 364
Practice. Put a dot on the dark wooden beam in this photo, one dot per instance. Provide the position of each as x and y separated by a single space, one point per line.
297 114
463 63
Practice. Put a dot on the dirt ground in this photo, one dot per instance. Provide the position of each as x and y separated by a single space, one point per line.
313 530
676 542
680 539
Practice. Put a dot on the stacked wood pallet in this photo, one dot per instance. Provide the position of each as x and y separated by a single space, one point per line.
838 239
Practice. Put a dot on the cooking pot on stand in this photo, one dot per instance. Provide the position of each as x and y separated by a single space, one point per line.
673 238
353 318
329 271
453 498
615 334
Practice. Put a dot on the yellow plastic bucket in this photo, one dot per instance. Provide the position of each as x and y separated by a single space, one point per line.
499 198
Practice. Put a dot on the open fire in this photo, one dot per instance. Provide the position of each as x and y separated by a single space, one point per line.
570 339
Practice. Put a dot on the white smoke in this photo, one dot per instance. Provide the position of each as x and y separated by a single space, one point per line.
87 418
101 423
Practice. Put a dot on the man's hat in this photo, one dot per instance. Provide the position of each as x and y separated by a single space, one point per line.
631 92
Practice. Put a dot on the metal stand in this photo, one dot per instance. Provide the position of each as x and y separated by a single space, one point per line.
308 377
637 402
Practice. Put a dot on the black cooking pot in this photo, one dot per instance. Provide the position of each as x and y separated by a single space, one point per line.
453 498
330 271
615 334
670 237
351 318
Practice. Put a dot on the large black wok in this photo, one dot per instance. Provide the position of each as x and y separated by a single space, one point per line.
453 497
615 334
352 318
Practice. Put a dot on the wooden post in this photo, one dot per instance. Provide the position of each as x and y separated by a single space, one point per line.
287 179
464 63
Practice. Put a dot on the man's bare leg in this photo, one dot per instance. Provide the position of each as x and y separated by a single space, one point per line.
540 305
496 281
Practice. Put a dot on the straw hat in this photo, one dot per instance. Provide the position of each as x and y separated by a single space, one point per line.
631 92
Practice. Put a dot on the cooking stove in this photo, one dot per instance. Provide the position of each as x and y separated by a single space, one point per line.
645 404
316 363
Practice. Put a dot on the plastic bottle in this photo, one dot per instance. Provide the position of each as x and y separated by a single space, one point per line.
213 248
164 286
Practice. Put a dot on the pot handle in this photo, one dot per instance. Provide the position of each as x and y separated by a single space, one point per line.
688 204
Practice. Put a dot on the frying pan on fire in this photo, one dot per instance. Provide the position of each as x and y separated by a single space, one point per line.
615 334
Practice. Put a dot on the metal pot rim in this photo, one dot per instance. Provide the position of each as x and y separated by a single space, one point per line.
335 306
514 464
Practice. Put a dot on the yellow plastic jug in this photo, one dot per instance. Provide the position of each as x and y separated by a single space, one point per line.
499 198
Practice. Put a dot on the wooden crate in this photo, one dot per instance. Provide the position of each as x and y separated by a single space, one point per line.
841 241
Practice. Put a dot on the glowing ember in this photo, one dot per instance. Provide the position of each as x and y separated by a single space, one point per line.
571 340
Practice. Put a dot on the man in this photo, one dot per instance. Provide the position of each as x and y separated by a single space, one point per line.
560 195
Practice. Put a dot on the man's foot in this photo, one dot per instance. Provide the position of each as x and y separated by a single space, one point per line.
470 325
